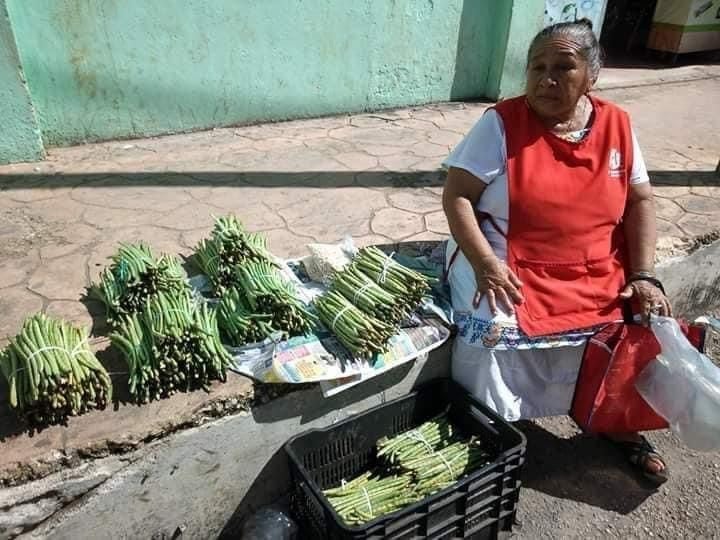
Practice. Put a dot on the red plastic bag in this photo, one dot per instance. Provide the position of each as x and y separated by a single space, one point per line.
606 400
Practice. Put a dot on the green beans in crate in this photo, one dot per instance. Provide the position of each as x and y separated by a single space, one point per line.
481 503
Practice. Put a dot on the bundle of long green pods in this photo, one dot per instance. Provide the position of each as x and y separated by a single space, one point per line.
367 497
414 464
368 296
238 324
229 244
407 285
430 436
51 372
135 275
441 468
361 333
268 293
173 345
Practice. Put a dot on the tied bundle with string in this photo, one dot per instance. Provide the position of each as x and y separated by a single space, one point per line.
264 291
368 296
238 324
361 334
51 372
135 275
406 285
435 454
228 246
430 436
441 468
172 345
366 497
411 466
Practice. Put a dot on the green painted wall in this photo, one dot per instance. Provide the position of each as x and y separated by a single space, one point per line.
20 137
103 69
524 19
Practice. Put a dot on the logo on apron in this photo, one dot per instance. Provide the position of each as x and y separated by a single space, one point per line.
615 168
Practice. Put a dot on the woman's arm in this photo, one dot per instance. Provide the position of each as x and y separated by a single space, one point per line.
461 193
639 227
640 237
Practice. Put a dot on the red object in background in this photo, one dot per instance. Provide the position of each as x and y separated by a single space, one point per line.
606 400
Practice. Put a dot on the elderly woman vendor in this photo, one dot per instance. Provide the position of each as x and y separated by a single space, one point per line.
553 227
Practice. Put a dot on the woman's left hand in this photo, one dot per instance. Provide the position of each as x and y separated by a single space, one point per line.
649 298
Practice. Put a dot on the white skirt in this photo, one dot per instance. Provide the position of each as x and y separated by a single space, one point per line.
518 378
519 384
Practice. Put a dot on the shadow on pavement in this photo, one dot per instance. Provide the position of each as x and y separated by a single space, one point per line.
324 179
685 178
581 468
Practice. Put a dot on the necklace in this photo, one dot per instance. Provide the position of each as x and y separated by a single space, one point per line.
577 128
576 123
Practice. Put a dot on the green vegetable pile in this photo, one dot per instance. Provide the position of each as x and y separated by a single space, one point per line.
416 463
368 300
268 293
255 300
135 275
172 345
238 324
229 245
52 373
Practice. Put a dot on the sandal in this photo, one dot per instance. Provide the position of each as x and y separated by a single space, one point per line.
638 453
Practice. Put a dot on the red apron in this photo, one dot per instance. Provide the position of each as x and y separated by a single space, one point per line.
565 240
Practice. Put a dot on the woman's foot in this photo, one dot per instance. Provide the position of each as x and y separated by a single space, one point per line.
641 455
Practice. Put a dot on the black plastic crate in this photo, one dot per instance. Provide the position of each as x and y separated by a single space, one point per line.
481 505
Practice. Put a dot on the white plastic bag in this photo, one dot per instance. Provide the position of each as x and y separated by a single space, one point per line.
683 386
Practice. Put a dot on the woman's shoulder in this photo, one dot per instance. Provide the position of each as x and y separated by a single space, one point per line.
487 128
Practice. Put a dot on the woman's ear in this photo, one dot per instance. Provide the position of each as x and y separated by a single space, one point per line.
591 83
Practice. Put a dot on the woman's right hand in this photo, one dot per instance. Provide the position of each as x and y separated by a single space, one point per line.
500 284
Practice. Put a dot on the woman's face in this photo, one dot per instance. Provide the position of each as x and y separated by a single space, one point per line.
557 77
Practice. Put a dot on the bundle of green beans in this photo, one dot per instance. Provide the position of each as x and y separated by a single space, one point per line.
413 465
441 468
51 372
366 497
407 285
135 275
173 345
359 332
369 296
268 293
238 324
427 438
229 244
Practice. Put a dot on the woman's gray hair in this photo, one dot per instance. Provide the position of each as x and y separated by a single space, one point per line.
579 32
